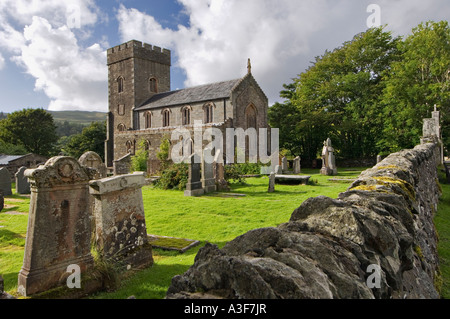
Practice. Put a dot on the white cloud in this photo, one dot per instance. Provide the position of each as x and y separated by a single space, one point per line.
42 37
72 77
281 37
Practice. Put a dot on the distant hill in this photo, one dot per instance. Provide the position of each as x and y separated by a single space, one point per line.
79 117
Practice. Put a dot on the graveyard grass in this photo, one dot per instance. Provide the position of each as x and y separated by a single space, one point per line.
216 218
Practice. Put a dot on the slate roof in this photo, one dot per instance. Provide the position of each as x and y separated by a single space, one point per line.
199 93
5 159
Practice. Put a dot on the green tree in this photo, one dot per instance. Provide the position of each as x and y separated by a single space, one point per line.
339 95
92 138
33 129
139 159
415 84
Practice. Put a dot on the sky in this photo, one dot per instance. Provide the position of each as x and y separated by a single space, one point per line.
53 52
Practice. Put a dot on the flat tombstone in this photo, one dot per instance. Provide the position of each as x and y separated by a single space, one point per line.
5 181
59 227
22 184
121 232
93 160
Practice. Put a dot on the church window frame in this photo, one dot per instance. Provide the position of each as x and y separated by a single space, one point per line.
148 119
153 85
208 111
186 115
165 117
120 84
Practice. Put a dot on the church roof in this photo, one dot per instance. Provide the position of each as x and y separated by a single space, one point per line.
199 93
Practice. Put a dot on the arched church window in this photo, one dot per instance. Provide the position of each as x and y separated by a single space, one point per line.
186 115
121 127
166 118
148 119
250 116
208 111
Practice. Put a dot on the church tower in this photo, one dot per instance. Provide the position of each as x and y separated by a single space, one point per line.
136 71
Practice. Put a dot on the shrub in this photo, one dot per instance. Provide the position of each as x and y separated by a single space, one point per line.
175 176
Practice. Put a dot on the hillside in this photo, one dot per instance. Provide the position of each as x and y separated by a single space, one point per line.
79 117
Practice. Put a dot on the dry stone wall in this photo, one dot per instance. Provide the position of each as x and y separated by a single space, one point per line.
376 240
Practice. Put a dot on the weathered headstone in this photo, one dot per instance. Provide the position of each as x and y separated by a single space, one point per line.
271 188
219 173
431 132
328 159
284 164
93 160
194 183
121 232
378 158
122 165
208 180
59 230
296 166
278 169
5 181
22 184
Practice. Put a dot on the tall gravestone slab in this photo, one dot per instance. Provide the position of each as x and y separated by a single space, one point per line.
59 230
5 182
271 187
284 164
194 185
22 184
207 170
121 232
296 165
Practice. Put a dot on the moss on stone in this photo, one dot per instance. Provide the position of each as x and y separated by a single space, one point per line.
404 185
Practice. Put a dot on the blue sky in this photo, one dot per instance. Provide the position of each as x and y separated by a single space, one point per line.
53 53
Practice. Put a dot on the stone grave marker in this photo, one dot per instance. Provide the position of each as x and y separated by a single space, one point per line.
296 166
194 184
208 180
5 181
22 184
93 160
121 232
284 164
271 188
59 230
328 159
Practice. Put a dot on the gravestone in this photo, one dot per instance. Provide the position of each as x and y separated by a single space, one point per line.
219 173
296 166
5 181
194 184
278 169
431 132
2 200
93 160
208 180
120 227
328 159
59 230
378 158
271 188
22 184
284 164
122 165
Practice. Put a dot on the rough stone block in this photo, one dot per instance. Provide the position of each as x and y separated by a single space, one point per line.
5 181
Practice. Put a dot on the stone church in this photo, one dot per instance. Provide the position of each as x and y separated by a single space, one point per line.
142 105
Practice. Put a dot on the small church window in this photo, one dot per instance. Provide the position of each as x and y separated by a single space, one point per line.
153 85
166 118
121 127
186 115
208 112
148 119
120 84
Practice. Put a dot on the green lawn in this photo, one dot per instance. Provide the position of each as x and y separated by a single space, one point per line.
216 218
